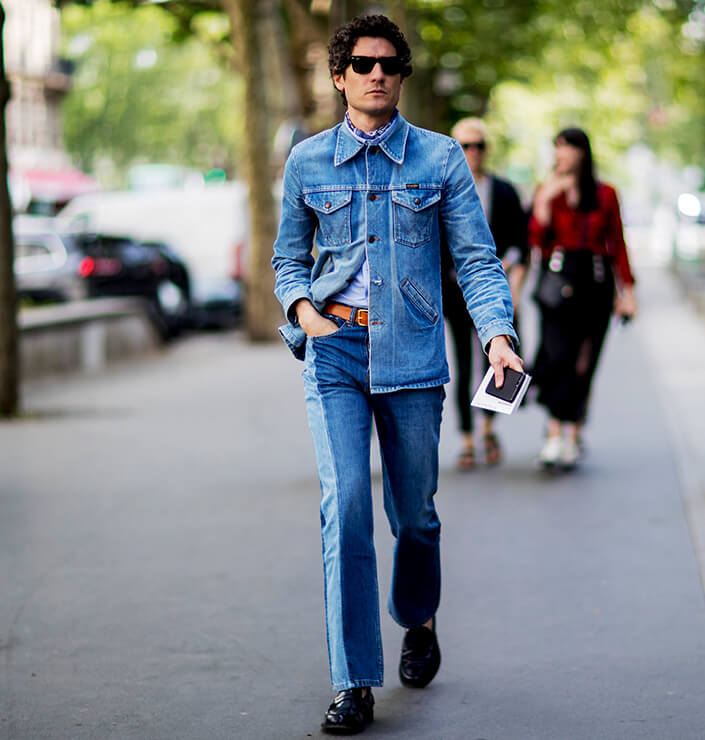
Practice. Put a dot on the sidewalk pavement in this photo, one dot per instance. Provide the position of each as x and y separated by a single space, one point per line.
673 335
161 557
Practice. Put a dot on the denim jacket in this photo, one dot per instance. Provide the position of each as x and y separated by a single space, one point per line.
390 202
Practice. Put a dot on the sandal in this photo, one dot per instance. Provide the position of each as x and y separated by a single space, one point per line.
467 459
493 452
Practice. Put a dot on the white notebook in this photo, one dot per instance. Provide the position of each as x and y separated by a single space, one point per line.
513 390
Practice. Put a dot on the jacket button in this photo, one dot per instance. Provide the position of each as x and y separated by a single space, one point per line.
417 200
374 149
372 239
372 196
327 205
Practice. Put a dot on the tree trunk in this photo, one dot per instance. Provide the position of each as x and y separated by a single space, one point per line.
9 362
262 312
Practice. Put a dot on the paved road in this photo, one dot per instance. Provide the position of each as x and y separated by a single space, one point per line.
161 573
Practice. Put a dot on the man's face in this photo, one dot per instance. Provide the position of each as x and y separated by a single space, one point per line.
374 94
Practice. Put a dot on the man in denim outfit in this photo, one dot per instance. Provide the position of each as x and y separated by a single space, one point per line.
374 194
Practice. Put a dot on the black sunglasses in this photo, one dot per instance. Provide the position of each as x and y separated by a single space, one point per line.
479 145
364 65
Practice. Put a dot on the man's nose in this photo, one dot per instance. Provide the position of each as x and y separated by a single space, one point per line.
377 72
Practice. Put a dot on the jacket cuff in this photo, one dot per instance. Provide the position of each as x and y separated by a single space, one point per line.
496 329
295 339
290 299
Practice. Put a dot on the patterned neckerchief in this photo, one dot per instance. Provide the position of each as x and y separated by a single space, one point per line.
370 137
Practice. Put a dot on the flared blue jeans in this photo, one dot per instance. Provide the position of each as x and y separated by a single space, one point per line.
340 411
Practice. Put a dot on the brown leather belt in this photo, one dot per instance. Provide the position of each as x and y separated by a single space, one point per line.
353 315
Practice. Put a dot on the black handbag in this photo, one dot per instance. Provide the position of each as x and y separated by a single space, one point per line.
553 290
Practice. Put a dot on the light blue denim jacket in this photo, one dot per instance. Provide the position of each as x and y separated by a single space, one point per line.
391 202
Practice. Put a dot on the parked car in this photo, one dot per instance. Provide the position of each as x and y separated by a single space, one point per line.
52 265
207 227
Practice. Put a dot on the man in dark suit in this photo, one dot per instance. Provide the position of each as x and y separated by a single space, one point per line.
508 224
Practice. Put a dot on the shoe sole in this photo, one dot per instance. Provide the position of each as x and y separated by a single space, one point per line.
556 467
343 730
415 684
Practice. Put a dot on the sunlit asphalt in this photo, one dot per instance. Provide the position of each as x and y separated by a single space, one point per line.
160 552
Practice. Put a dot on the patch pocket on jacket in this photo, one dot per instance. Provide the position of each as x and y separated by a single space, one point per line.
418 300
414 211
333 209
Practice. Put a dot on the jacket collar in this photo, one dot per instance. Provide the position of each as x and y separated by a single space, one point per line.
393 145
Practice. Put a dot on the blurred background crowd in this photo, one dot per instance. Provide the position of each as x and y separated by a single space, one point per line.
135 129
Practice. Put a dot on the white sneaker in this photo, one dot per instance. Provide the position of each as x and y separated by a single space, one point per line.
570 454
551 452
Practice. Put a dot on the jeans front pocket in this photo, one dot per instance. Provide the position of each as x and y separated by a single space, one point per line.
335 319
414 212
333 209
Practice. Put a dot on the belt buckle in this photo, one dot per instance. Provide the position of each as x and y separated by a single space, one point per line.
361 317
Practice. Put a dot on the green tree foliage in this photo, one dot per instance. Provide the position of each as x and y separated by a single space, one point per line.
465 48
144 90
641 84
178 118
625 69
672 55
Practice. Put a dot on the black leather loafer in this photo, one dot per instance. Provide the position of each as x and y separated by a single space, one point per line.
420 657
349 712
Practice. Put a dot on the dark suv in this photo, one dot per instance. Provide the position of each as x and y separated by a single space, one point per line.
54 266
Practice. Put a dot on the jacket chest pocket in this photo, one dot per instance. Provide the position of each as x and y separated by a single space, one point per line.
333 210
414 211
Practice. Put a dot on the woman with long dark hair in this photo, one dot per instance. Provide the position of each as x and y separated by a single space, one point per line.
585 277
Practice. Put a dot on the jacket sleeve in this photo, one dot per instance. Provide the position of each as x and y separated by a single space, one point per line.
480 273
292 260
511 221
615 240
519 225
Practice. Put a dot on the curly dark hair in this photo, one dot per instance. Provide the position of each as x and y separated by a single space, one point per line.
344 39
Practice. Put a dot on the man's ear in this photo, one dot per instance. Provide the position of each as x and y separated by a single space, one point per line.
339 82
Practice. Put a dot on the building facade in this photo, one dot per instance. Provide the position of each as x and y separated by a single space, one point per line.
39 81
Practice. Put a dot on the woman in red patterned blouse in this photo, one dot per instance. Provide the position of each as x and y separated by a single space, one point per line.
576 224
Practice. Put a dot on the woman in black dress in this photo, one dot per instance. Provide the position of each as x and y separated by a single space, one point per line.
585 277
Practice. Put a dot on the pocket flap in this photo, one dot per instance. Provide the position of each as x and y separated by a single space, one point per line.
328 202
416 200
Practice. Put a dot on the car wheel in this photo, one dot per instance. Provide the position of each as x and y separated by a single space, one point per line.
171 299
